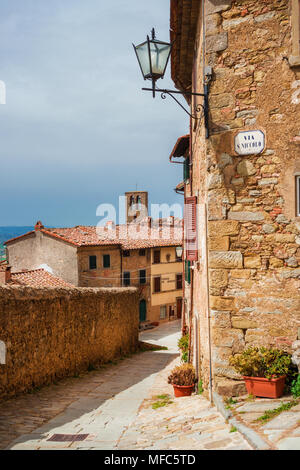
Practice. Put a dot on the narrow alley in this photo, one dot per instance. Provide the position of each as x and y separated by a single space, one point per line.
112 409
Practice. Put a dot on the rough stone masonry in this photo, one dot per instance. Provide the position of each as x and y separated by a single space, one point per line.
52 333
254 226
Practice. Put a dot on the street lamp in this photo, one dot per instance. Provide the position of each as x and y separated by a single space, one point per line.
153 56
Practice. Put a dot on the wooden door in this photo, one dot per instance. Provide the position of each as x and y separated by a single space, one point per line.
179 307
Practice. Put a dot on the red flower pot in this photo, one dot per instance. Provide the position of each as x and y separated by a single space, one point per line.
183 390
267 388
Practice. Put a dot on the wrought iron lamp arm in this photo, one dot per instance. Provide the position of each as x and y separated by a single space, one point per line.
199 107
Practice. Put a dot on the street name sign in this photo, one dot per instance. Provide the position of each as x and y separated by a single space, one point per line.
249 142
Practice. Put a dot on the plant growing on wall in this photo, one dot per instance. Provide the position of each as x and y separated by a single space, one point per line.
183 345
295 388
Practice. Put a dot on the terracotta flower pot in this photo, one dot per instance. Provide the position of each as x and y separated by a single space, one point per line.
183 390
267 388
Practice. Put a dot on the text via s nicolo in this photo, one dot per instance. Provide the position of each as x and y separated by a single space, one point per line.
2 92
2 352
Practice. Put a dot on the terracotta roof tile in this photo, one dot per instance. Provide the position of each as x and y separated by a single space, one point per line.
125 236
37 278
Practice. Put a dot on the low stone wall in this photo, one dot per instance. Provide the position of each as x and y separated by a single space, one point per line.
53 333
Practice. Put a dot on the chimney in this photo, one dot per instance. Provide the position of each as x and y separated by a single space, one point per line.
38 226
5 274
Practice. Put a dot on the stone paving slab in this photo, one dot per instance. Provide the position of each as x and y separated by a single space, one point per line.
114 407
281 431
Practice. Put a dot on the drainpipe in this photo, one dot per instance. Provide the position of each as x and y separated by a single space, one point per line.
208 308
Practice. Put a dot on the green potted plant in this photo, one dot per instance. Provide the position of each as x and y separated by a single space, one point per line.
183 379
263 369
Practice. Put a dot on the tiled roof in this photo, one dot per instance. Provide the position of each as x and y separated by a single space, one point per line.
126 236
37 278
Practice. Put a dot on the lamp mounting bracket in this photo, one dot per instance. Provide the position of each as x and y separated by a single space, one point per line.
199 108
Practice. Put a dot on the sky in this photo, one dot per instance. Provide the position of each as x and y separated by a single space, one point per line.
77 130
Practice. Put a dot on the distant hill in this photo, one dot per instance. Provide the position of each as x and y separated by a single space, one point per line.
6 233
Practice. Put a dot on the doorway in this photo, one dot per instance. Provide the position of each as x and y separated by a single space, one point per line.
179 307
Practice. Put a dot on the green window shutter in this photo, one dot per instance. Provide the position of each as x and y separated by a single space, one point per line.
186 169
187 271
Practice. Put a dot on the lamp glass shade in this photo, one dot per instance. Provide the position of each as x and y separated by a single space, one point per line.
153 58
179 251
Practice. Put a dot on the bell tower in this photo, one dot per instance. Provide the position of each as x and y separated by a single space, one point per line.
136 205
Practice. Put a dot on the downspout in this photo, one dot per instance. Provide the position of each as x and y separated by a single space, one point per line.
206 89
191 271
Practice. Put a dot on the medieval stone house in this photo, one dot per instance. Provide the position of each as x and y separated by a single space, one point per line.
143 255
242 178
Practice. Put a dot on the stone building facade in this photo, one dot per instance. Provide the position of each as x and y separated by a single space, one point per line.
140 254
246 204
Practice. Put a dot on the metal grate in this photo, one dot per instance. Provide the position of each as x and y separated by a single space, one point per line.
68 437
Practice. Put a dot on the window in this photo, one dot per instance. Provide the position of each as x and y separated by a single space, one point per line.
143 276
163 312
93 262
186 169
106 261
157 284
126 278
142 253
156 257
298 196
178 281
187 271
190 226
126 253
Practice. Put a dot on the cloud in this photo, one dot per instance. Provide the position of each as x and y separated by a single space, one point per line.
76 120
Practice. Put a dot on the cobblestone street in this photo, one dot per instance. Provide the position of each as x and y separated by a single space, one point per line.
112 409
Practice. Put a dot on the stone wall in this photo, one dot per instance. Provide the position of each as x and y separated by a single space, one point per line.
54 333
254 242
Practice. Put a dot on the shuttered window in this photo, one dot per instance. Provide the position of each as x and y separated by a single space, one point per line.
190 225
178 281
106 261
143 276
93 262
186 169
157 284
156 257
126 279
187 271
